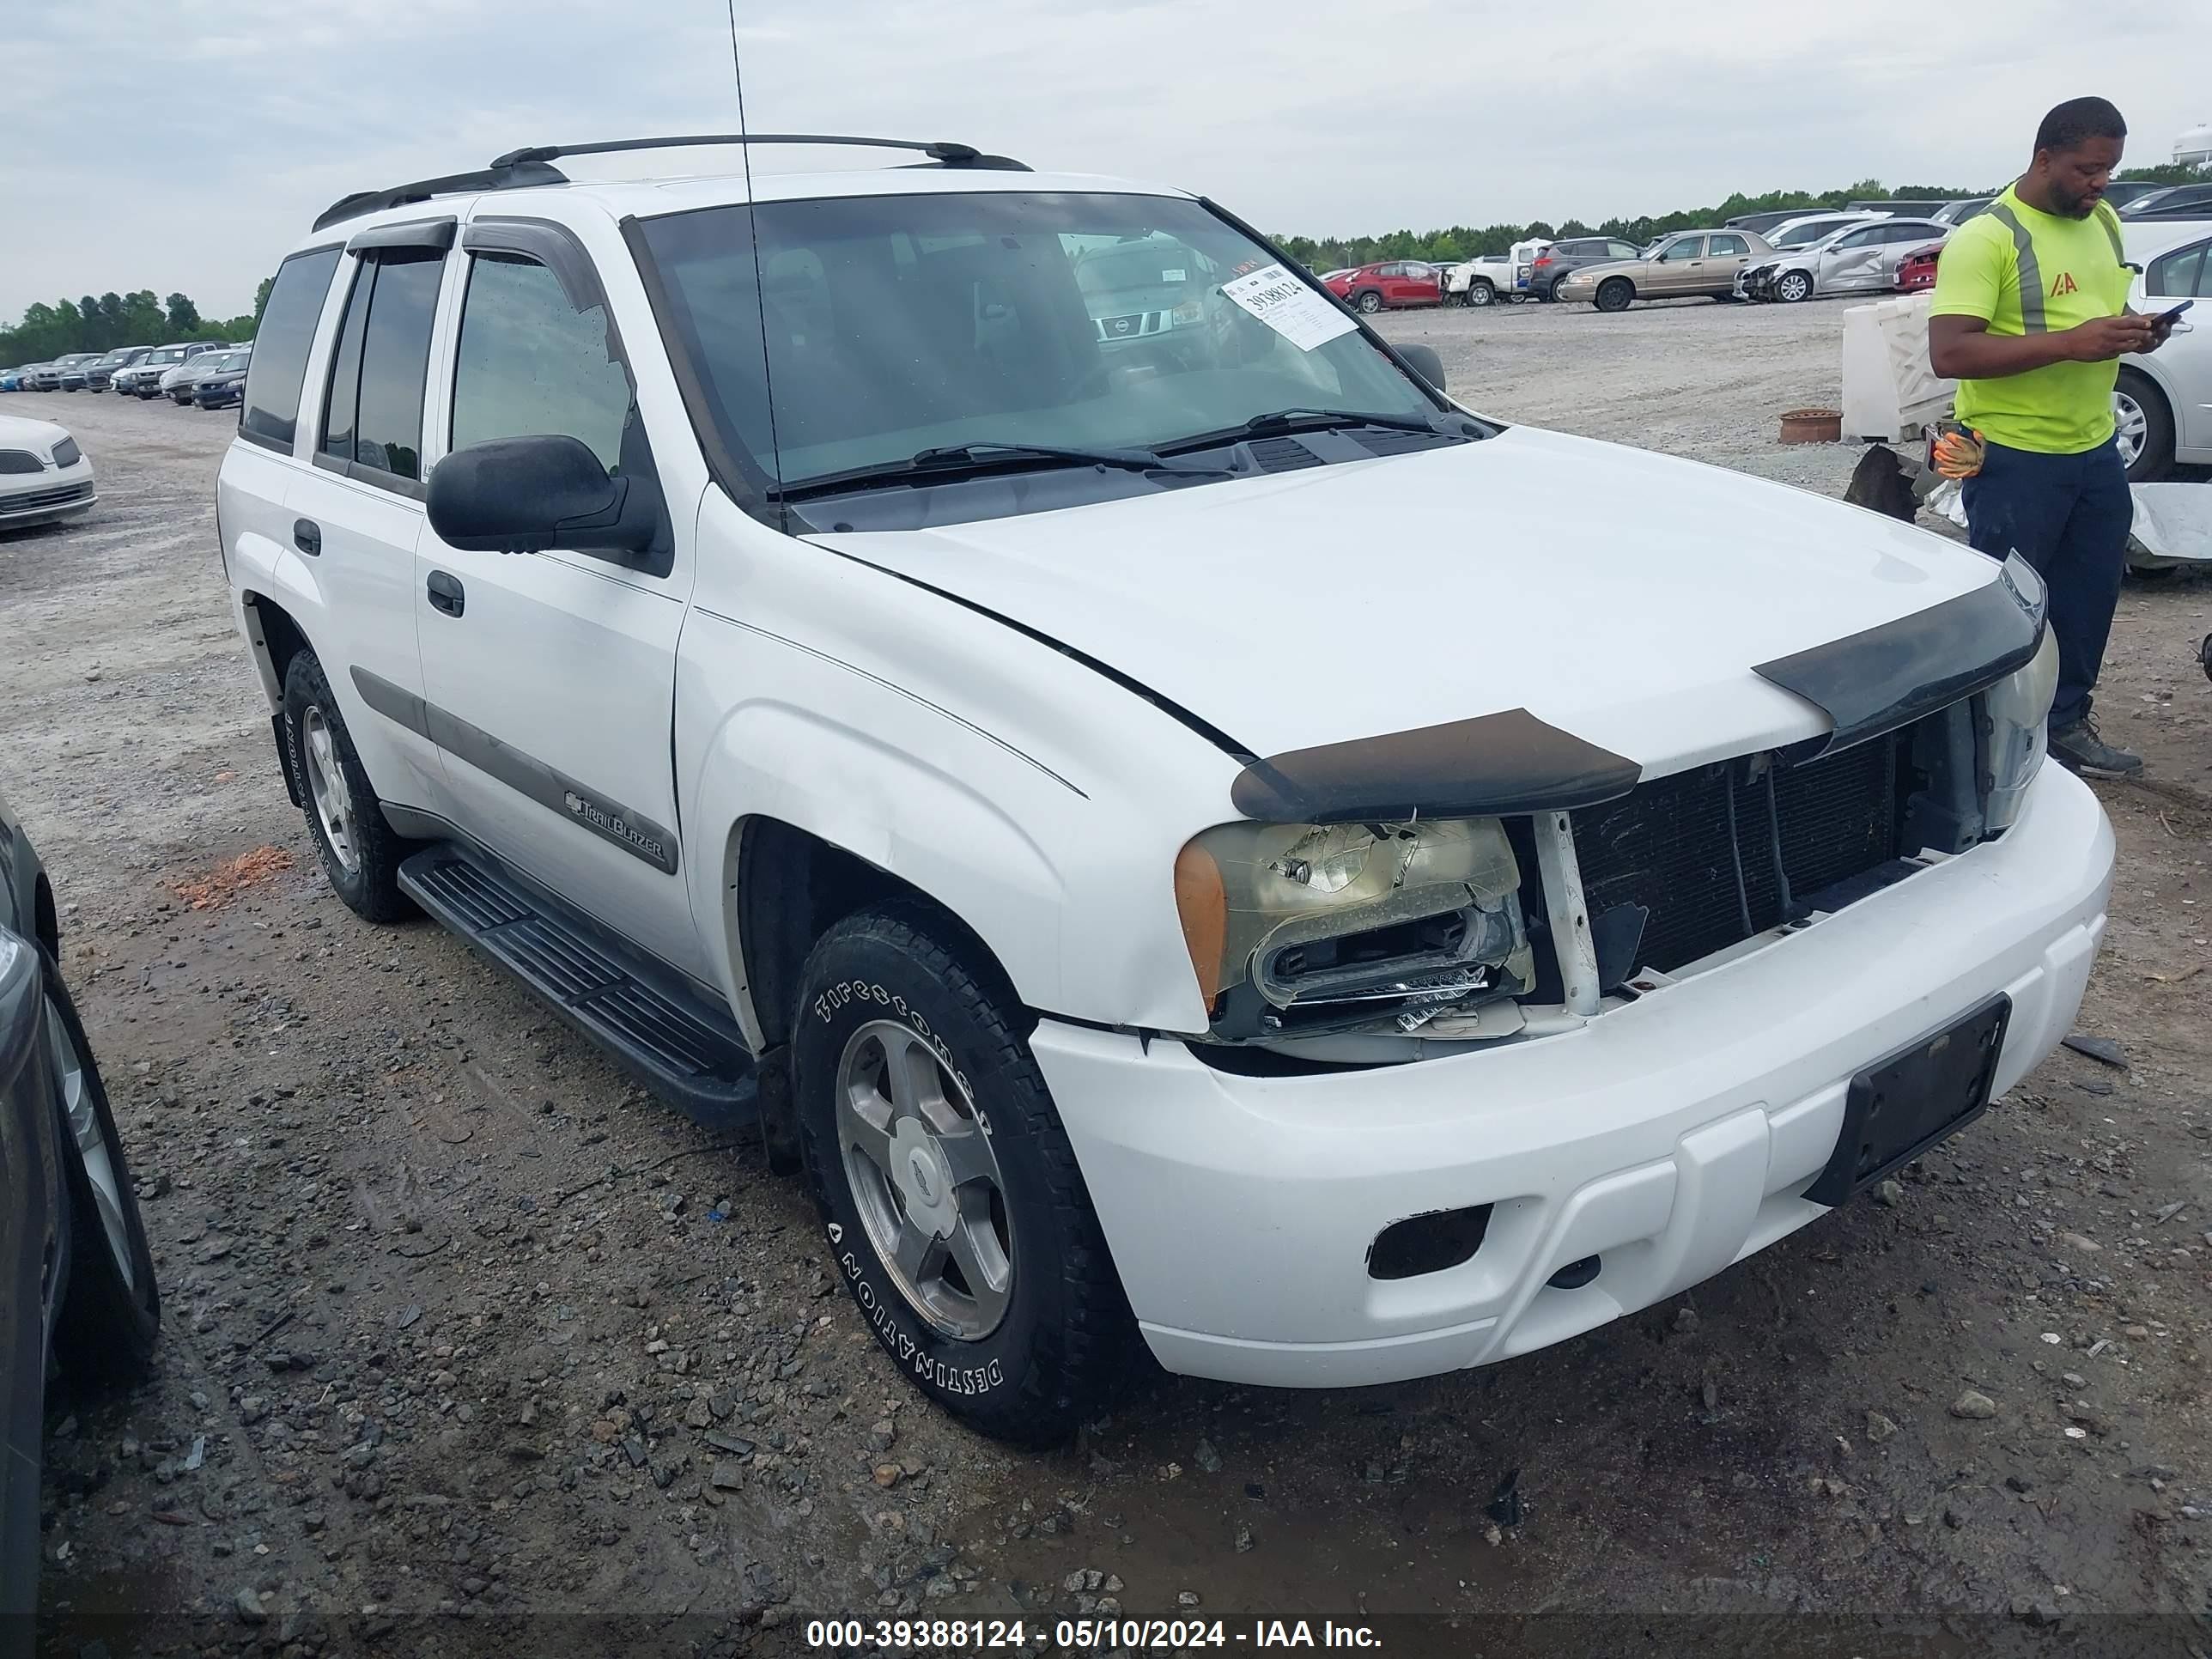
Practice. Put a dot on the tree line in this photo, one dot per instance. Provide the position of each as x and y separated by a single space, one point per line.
1468 241
113 319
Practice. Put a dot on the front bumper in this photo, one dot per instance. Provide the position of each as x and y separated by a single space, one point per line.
37 497
1669 1137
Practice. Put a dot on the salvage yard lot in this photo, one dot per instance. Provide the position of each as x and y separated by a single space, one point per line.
460 1327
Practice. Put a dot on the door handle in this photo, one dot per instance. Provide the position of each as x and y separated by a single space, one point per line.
446 593
308 537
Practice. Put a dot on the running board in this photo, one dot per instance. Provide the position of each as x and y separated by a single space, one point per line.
657 1027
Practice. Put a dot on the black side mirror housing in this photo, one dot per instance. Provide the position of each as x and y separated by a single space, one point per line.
1424 361
527 495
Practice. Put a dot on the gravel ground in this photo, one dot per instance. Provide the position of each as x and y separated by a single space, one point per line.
470 1347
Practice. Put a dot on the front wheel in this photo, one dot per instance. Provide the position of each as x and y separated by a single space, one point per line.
953 1205
1480 292
2144 427
1793 286
112 1312
1370 303
1614 294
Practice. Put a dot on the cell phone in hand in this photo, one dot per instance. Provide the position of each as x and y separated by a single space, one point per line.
2168 319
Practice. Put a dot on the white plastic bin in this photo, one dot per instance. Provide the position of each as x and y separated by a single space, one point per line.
1889 391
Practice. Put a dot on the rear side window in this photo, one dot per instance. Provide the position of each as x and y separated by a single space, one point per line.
530 363
279 357
1728 245
2184 274
373 422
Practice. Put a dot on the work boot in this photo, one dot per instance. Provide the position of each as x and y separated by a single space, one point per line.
2080 748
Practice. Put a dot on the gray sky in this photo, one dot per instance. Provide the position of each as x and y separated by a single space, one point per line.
183 144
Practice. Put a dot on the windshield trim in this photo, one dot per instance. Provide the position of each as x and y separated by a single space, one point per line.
762 497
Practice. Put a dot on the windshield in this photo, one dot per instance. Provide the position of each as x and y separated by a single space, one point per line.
899 324
217 362
166 354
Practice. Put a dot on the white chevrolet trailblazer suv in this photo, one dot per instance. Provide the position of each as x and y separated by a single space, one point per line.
1135 816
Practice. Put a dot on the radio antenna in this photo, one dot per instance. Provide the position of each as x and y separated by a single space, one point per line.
759 289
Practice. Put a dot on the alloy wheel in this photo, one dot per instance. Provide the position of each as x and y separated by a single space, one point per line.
326 786
920 1165
2132 425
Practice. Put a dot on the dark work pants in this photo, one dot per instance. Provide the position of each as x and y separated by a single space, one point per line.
2068 516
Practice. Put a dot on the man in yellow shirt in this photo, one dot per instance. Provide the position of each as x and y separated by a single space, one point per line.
2031 318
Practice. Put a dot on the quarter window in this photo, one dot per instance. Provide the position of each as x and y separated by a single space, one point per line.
374 420
529 362
280 355
2185 273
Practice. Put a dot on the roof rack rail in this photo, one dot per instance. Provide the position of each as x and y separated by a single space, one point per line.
945 153
522 169
500 175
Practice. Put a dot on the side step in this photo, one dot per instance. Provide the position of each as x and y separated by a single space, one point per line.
658 1027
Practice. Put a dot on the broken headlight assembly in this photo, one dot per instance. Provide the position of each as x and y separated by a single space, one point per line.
2017 711
1302 929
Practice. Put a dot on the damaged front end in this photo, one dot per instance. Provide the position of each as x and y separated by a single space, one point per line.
1555 882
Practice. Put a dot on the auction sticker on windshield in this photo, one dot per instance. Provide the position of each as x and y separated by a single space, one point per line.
1286 305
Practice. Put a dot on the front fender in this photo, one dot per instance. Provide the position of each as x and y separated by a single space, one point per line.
1066 879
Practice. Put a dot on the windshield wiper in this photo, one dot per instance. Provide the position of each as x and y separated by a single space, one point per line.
955 458
1132 460
1308 419
1286 419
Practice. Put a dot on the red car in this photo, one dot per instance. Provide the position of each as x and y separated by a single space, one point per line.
1917 269
1391 283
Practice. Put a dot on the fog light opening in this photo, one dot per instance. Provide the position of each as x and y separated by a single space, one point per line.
1575 1274
1428 1243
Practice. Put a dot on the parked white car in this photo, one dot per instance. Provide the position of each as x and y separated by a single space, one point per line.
866 702
2163 403
44 475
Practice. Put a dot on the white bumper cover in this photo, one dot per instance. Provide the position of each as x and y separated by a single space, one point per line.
28 498
1671 1137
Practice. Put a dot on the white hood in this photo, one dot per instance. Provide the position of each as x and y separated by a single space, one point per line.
19 432
1618 595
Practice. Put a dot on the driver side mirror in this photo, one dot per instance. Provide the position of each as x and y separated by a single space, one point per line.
527 495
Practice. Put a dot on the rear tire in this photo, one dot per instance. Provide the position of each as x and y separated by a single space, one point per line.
360 852
1614 294
910 1056
111 1315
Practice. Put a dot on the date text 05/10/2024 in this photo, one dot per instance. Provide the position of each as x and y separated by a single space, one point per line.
1080 1635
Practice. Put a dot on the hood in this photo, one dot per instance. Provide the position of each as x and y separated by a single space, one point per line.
1618 595
17 432
1604 268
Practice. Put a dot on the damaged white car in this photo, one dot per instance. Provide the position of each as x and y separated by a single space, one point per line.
1140 825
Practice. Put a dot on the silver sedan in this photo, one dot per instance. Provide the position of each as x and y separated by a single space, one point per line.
1858 258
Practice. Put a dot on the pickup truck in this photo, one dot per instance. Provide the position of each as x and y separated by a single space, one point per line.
1490 277
896 719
